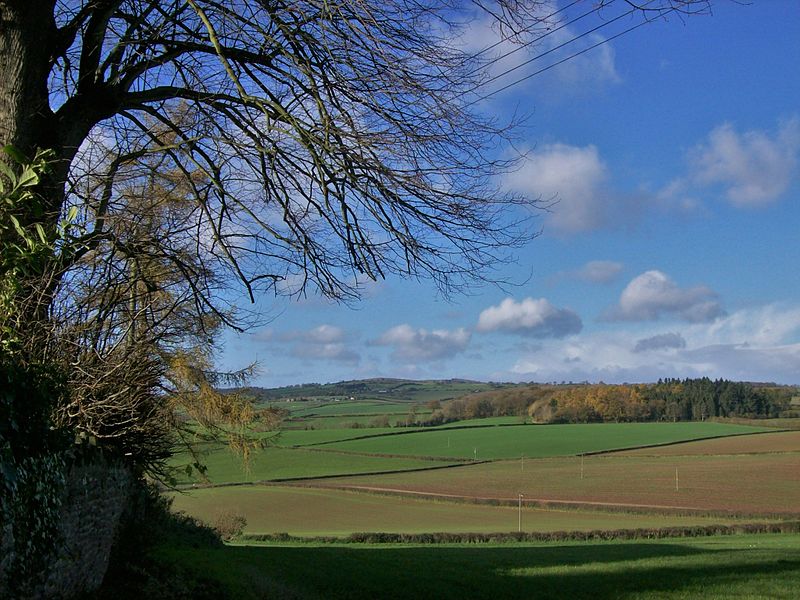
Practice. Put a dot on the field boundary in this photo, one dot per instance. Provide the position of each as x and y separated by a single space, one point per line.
456 459
678 442
279 480
315 445
786 527
416 430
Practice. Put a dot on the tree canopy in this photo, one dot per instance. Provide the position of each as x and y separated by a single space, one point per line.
281 147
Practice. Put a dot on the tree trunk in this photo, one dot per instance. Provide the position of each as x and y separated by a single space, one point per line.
27 36
27 31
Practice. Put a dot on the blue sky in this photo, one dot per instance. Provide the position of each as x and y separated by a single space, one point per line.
674 154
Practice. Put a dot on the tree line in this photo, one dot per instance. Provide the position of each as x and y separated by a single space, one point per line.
666 400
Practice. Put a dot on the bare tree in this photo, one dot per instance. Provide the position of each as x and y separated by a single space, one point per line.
282 145
334 139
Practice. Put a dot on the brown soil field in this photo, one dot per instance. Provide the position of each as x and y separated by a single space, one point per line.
763 443
749 483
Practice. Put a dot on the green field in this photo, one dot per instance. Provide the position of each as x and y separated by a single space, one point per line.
280 463
310 512
402 390
742 566
310 437
324 435
355 408
748 475
396 449
336 422
537 440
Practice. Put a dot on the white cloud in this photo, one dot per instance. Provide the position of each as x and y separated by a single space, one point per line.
335 351
745 363
765 326
595 357
571 178
662 341
753 167
652 295
756 344
324 334
599 271
509 61
594 67
325 342
531 317
412 345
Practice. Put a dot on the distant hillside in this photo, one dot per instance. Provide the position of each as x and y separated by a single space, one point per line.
394 390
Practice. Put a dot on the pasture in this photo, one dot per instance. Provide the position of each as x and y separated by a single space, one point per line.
741 566
352 408
535 440
576 478
273 463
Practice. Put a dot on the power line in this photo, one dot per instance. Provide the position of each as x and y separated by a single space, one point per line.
551 50
506 38
538 39
563 60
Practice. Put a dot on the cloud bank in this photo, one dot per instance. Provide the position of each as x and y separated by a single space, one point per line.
757 344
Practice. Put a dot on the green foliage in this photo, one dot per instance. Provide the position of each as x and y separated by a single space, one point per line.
667 400
32 460
23 249
32 466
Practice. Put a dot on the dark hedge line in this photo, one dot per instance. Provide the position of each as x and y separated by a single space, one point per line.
554 536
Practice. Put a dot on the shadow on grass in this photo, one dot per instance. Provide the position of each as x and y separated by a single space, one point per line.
571 571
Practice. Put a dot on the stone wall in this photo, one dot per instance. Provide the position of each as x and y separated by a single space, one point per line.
95 497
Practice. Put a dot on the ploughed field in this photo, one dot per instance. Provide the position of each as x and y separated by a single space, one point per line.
750 484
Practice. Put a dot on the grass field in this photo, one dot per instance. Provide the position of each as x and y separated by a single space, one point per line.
536 440
402 390
748 566
310 437
303 511
354 408
326 434
279 463
718 481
